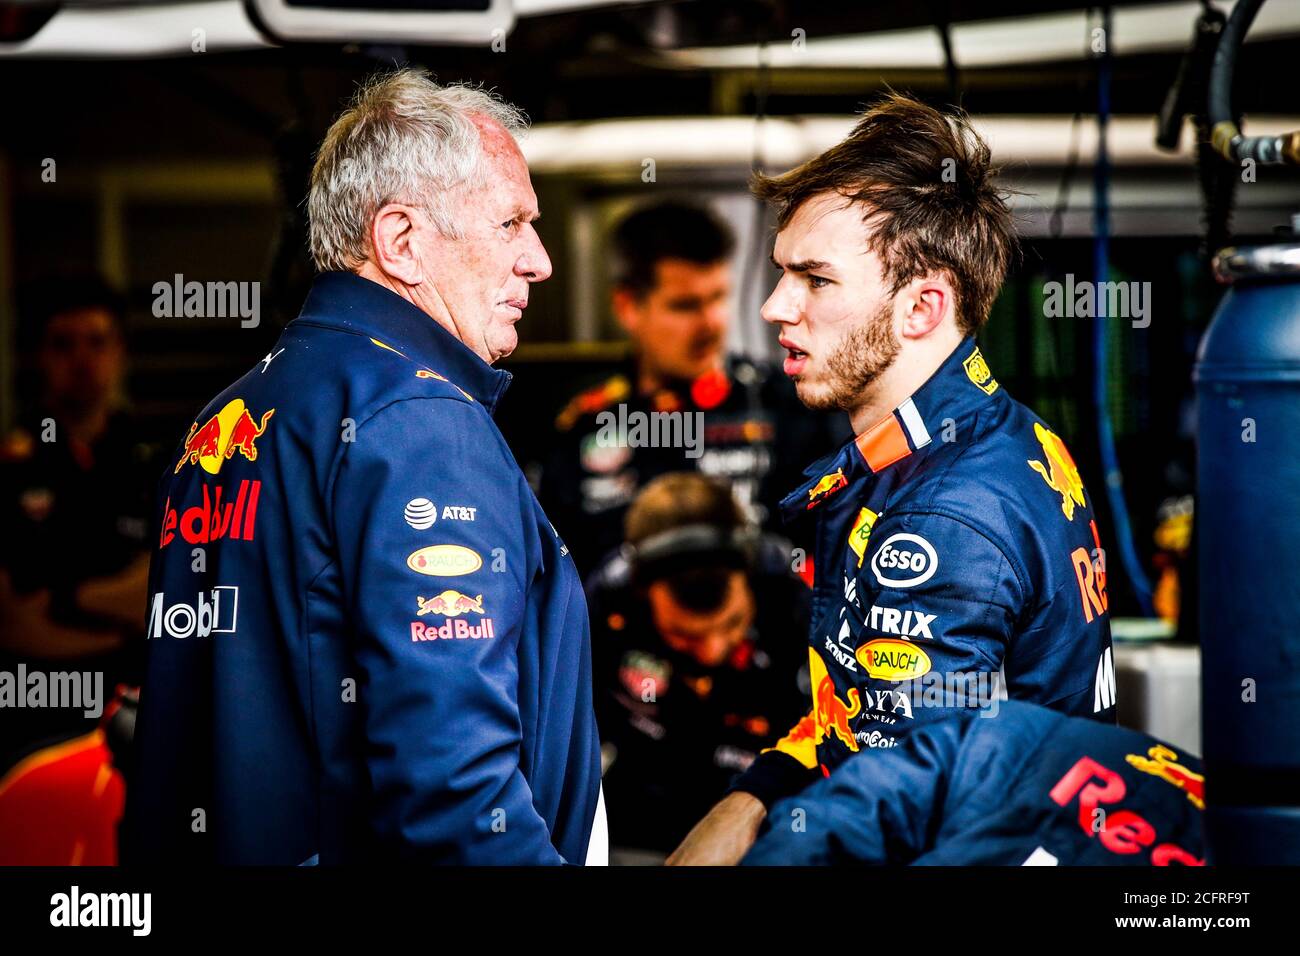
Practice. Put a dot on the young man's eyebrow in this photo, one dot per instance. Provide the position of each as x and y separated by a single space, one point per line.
808 265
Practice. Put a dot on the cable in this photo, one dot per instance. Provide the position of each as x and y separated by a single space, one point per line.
1226 137
756 164
1112 475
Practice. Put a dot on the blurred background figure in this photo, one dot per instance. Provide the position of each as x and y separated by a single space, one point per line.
75 483
698 655
671 292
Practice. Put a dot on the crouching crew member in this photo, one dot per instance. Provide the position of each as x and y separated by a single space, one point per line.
697 630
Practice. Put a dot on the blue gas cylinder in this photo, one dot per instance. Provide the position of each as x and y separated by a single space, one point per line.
1248 542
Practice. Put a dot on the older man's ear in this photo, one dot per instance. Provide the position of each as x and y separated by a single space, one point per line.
392 239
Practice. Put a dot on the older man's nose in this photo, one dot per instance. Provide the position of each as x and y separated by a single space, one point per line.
534 265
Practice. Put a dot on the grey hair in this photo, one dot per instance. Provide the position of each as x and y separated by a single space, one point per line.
403 138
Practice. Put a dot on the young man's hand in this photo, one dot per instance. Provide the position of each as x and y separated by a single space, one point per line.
724 836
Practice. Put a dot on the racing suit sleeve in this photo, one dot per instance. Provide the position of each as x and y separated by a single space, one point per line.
441 714
931 603
880 807
783 769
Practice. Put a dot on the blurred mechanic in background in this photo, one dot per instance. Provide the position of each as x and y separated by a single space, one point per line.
698 655
672 293
76 483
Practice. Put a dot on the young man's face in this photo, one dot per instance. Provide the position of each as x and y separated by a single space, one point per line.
832 306
679 326
82 360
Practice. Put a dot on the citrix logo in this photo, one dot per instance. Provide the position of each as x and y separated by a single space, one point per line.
909 623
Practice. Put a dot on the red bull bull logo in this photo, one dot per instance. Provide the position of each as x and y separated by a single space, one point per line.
449 604
1162 762
830 714
833 715
826 486
1060 472
215 442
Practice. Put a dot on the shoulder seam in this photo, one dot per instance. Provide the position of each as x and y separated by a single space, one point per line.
993 539
383 346
332 478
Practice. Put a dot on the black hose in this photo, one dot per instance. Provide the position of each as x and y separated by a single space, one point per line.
1225 59
1226 137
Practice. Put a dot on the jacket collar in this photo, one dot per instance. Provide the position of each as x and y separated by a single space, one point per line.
958 389
349 302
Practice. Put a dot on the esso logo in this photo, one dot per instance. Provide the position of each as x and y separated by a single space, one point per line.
904 561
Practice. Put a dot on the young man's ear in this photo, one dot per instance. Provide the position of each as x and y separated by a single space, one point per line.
928 302
627 308
392 237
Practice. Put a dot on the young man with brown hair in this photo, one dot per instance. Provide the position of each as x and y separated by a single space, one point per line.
957 557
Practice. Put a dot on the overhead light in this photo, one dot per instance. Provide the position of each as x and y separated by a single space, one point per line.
393 21
141 30
784 142
989 43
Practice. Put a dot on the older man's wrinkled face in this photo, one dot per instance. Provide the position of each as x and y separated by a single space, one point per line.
480 282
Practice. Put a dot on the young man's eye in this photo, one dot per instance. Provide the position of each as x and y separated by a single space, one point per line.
818 282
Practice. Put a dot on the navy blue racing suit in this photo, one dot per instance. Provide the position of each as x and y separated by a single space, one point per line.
957 561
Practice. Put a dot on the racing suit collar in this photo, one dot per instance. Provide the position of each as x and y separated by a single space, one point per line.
959 387
349 302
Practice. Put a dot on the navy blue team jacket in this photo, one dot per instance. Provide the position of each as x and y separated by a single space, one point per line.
365 640
957 561
1029 786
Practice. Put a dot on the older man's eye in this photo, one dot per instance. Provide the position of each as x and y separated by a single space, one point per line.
510 224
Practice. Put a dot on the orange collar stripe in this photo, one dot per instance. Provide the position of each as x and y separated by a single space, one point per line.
883 443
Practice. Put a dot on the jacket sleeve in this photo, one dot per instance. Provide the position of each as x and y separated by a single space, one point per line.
436 631
879 807
783 769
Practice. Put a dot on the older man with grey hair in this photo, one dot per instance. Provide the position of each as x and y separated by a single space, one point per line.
366 641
